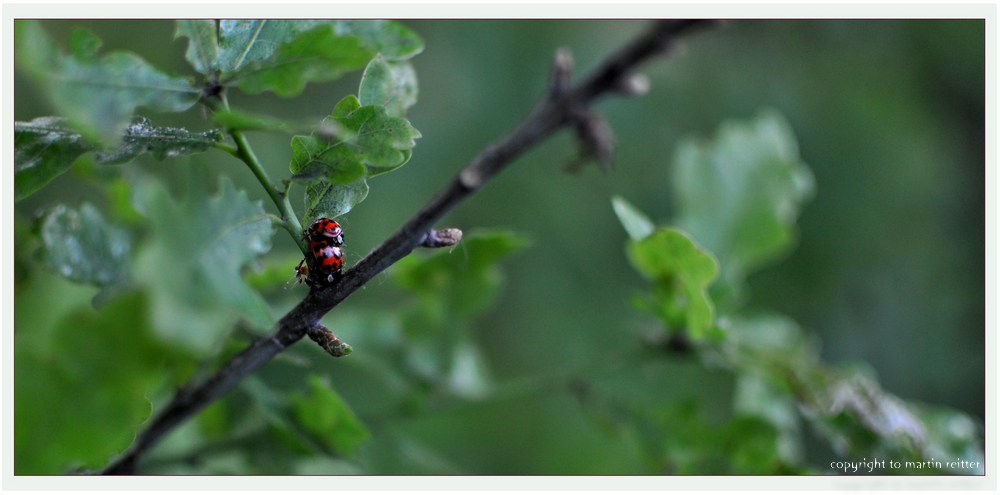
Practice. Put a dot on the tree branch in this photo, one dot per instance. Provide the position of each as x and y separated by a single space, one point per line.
562 106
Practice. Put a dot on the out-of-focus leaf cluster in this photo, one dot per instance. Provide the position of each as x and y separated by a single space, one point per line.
739 197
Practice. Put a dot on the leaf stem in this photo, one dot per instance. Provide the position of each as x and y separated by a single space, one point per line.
288 219
228 149
245 153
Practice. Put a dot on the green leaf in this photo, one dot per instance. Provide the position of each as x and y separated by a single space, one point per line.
323 414
99 94
953 435
161 142
673 438
82 247
372 140
81 399
275 407
366 142
317 422
681 273
345 106
245 43
325 199
283 57
85 44
845 406
451 287
193 264
393 40
46 147
635 222
384 143
203 43
391 85
334 161
43 150
741 194
758 397
750 446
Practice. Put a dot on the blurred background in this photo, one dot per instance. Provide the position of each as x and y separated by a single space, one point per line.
889 267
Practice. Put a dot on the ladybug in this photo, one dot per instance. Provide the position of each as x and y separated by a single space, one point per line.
325 229
325 256
329 258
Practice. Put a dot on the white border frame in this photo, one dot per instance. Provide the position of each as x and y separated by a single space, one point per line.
514 10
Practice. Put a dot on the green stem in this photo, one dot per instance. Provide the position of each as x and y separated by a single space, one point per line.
245 153
228 149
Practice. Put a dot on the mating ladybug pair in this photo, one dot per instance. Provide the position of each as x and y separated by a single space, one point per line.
325 255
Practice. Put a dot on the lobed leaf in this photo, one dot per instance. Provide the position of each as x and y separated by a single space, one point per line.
194 262
330 200
335 161
44 149
203 43
245 42
81 246
99 94
283 56
161 142
47 147
393 40
391 85
80 400
741 194
681 273
318 55
324 415
367 142
378 141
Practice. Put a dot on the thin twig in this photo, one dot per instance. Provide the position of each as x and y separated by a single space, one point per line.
549 115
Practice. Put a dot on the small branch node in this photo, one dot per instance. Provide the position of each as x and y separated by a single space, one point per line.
562 71
632 85
470 177
597 141
441 238
328 341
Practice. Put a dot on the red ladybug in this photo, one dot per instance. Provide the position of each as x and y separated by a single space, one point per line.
326 229
329 258
325 257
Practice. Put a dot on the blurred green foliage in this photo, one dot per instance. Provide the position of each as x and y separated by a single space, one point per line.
541 366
